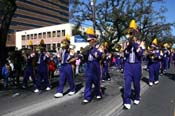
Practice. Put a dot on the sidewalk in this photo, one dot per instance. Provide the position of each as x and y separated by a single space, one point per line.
111 102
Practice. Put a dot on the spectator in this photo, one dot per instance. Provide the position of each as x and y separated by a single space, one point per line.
6 73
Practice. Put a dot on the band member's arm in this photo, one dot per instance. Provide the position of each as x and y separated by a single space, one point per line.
140 48
73 57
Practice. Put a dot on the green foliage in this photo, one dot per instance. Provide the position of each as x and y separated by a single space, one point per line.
113 16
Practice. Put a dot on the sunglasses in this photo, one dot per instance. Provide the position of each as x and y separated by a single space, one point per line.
89 40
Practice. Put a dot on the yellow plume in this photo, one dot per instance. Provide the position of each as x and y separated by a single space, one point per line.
90 31
133 24
148 48
67 37
30 43
155 41
121 50
106 44
165 45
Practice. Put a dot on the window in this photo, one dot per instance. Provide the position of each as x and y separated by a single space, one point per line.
54 46
35 36
44 35
23 37
40 35
58 33
48 34
31 36
54 34
28 37
63 32
48 46
58 45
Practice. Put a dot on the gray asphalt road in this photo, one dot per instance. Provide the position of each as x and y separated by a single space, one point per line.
44 104
158 100
74 107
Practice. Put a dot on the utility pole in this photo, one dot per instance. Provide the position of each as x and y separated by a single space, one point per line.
94 14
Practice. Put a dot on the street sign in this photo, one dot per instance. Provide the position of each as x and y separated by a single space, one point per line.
79 39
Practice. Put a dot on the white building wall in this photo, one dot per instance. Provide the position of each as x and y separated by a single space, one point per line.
52 40
19 42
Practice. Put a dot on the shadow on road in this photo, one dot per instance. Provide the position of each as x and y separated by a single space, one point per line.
132 94
77 88
146 80
170 76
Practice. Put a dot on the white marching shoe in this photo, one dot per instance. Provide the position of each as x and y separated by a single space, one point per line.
85 101
36 90
98 97
156 82
48 89
58 95
150 83
136 102
71 93
127 106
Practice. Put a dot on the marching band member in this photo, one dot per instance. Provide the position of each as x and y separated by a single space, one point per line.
93 54
166 57
173 56
29 68
132 66
42 68
66 68
118 57
105 63
154 57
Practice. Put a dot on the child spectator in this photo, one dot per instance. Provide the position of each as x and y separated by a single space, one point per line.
6 73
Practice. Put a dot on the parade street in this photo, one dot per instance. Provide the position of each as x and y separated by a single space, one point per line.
155 101
87 58
158 100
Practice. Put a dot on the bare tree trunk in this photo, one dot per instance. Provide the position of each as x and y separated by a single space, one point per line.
6 16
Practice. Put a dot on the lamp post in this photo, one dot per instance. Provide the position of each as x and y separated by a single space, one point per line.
92 2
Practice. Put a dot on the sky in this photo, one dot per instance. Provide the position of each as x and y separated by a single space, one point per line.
171 8
170 14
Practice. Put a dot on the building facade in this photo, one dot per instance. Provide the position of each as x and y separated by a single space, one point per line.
52 36
32 14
